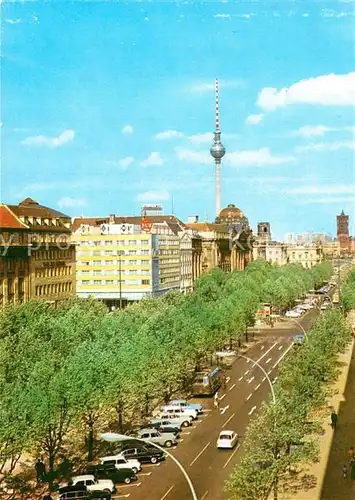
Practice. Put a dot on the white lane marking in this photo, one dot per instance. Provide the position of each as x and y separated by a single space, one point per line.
205 409
152 465
268 361
275 380
226 422
250 395
223 410
204 495
222 397
227 380
198 456
129 485
121 496
232 455
252 410
269 372
239 379
147 473
281 347
232 387
167 493
262 347
180 440
251 379
246 373
263 380
257 387
186 433
281 357
248 360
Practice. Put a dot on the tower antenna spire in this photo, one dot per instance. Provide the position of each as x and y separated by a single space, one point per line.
217 151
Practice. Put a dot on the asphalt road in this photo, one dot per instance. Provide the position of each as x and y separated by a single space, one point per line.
208 467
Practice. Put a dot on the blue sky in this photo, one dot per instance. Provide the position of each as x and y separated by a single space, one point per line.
107 105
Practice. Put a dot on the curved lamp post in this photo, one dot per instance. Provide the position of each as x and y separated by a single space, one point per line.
281 318
115 437
255 363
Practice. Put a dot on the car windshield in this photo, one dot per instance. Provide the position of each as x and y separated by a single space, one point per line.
225 436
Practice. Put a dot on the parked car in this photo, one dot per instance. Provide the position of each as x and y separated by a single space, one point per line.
227 439
81 492
154 436
182 420
293 313
144 453
182 403
174 410
93 484
121 462
109 471
164 426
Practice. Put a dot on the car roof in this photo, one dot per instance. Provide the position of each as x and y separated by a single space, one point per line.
226 432
178 401
299 336
83 477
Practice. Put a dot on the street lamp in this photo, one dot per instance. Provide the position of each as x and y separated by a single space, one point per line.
255 363
120 253
117 437
281 318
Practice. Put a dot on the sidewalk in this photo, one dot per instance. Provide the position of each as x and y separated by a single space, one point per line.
328 470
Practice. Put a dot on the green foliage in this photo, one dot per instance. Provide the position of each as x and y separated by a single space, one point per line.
348 292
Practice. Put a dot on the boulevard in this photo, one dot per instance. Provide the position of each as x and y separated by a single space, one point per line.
207 466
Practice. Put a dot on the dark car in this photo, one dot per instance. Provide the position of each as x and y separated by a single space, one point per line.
165 427
145 453
80 492
109 471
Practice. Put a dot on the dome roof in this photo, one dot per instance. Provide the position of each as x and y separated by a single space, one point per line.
230 212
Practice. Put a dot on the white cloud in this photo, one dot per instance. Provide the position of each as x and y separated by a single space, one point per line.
201 157
222 16
153 160
125 162
311 130
331 189
14 21
50 142
67 202
325 90
254 119
153 196
127 130
326 146
168 134
198 139
255 158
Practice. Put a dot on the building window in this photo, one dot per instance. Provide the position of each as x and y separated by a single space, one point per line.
132 242
144 252
97 282
145 282
109 262
145 242
132 271
97 273
109 282
132 262
132 252
107 242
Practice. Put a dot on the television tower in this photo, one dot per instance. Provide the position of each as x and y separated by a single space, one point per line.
217 152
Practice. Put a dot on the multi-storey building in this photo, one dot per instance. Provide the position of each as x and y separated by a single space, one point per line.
283 253
37 258
122 259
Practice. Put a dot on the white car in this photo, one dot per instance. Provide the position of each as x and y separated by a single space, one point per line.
120 462
175 410
227 439
293 314
92 484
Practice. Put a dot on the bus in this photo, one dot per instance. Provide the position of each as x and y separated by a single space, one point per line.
207 382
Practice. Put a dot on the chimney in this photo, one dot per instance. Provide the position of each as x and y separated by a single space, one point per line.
112 218
192 219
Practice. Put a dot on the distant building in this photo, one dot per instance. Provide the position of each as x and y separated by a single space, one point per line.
264 232
343 232
37 259
227 242
152 210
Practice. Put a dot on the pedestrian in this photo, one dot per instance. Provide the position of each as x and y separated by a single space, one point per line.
345 472
334 419
351 453
216 400
40 470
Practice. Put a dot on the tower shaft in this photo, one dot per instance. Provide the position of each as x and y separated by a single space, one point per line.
218 187
217 151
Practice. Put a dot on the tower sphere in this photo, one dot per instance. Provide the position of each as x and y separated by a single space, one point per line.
217 150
